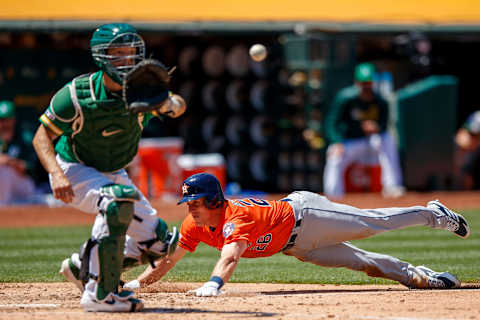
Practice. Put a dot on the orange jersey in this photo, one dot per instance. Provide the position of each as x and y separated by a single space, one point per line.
266 226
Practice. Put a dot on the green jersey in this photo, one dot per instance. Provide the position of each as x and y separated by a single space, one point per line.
94 126
348 111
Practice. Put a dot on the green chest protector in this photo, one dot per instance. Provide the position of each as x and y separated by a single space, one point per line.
105 135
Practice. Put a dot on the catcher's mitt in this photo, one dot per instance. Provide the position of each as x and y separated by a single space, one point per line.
145 87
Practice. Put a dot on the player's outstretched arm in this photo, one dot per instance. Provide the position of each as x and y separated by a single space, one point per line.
223 270
162 266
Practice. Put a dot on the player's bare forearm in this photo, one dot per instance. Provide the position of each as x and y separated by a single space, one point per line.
162 266
42 143
229 258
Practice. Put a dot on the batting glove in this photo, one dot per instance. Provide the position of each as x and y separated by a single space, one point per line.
209 289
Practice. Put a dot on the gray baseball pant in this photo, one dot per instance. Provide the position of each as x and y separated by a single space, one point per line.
326 227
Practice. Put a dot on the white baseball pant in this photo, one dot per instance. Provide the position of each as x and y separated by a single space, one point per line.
86 183
379 148
14 187
326 227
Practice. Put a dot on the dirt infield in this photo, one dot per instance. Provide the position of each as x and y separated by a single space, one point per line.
251 301
245 301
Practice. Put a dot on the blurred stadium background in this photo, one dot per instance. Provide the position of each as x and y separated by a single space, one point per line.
266 119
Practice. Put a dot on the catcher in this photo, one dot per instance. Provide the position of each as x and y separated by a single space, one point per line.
304 225
96 121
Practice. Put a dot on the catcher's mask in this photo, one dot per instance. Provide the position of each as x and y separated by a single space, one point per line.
203 185
116 35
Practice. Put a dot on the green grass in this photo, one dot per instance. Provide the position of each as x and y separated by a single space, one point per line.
35 254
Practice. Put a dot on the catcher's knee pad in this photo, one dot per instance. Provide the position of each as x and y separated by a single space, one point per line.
119 192
117 205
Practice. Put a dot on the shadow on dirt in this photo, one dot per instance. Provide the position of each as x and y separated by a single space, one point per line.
470 286
319 291
328 291
202 311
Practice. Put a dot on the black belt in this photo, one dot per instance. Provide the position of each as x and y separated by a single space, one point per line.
293 236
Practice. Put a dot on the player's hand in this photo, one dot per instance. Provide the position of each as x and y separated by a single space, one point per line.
370 127
61 187
209 289
4 159
173 107
336 149
19 165
466 140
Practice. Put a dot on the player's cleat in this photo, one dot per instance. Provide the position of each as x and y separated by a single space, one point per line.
122 302
439 280
454 222
70 272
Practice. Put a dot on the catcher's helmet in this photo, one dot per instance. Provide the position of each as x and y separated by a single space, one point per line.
116 35
203 185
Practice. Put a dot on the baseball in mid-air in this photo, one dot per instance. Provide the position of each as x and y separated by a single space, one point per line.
258 52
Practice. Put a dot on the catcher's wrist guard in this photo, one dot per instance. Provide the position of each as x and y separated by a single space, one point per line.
145 87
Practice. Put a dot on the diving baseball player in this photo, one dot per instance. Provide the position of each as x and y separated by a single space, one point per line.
304 225
97 137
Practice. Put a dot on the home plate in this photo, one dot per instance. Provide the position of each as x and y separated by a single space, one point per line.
28 305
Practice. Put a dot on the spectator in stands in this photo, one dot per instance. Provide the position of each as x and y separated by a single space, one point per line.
17 160
468 139
356 127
